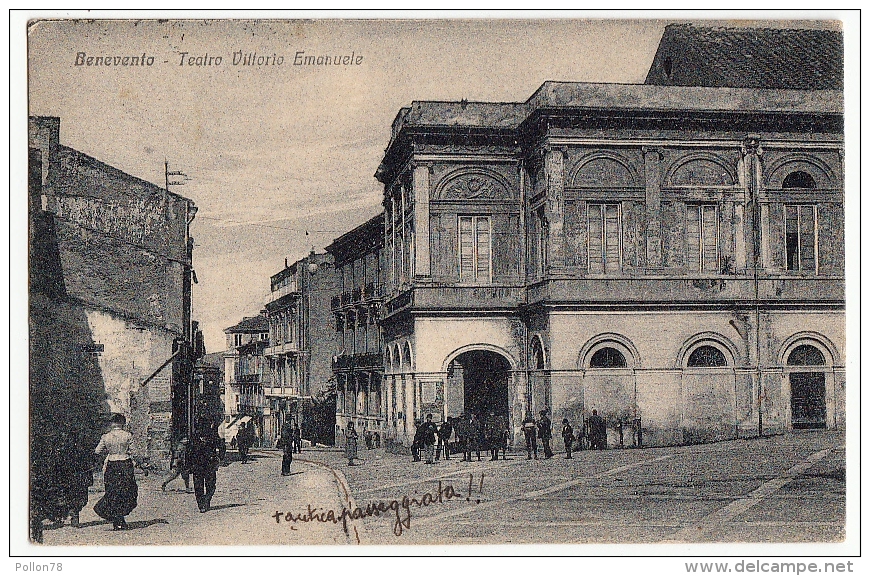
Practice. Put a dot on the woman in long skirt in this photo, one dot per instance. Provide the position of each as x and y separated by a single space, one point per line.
350 437
121 490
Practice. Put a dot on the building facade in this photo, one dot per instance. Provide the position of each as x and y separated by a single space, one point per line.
300 348
672 257
358 365
111 265
245 374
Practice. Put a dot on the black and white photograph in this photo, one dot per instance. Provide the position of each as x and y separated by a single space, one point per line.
508 280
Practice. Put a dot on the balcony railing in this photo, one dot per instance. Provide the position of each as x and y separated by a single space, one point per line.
370 361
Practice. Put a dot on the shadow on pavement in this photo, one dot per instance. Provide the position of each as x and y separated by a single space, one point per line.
222 506
139 524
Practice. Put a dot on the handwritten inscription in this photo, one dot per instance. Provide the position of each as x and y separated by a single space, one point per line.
399 509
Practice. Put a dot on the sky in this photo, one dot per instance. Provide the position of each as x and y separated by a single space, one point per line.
280 159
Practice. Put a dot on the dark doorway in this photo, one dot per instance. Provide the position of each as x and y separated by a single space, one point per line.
807 400
807 389
485 382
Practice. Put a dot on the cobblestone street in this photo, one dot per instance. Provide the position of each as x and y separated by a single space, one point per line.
782 489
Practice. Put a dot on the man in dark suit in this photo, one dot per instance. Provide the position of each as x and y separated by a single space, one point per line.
567 437
545 431
444 433
204 453
530 432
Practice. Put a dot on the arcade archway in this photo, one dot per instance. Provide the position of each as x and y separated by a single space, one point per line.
477 383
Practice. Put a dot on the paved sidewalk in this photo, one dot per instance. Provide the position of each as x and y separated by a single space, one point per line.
247 497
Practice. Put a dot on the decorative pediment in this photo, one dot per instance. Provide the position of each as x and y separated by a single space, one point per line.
474 185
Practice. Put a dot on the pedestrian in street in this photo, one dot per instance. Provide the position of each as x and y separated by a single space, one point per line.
567 437
444 433
428 437
493 433
242 441
545 431
178 465
285 442
297 438
417 442
463 436
122 492
597 432
204 452
478 441
80 475
580 441
530 432
350 443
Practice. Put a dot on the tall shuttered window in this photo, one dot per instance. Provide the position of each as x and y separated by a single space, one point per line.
605 231
702 238
475 248
800 237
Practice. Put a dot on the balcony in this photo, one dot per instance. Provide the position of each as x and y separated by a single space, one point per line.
278 392
284 348
371 361
279 293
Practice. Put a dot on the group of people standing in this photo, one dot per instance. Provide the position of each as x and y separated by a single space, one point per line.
466 433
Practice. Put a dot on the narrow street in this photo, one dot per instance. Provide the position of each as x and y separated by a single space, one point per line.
781 489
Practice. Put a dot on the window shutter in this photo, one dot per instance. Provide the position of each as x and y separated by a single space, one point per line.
611 235
710 234
808 238
466 248
483 247
596 232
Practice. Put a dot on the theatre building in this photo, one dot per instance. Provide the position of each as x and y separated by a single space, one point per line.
672 255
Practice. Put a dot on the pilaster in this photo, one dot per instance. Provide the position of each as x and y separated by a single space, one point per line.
652 158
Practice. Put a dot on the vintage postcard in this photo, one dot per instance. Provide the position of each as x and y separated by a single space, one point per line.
439 280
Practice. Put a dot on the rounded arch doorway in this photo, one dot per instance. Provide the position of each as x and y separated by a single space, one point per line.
477 383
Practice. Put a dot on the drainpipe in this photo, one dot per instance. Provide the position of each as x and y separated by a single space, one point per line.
753 150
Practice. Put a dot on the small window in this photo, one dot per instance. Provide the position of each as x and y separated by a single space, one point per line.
799 180
706 357
806 355
668 66
607 358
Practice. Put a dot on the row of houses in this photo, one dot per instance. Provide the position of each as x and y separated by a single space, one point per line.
670 254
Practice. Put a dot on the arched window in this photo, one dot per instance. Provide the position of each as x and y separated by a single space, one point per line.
798 180
607 358
706 357
806 355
